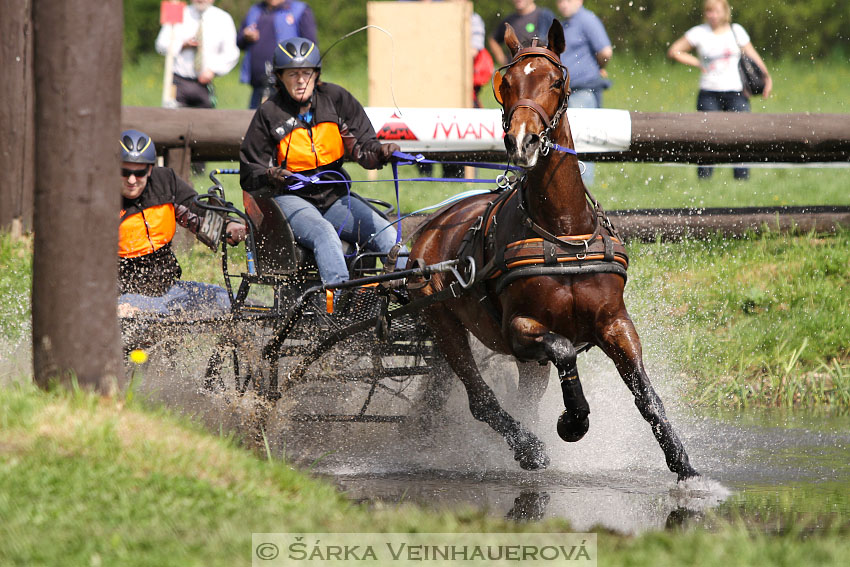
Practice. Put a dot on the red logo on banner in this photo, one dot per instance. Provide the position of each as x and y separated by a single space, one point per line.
396 130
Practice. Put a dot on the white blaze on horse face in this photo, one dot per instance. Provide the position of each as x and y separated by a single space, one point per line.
528 69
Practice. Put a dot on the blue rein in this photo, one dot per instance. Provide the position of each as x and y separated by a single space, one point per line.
403 158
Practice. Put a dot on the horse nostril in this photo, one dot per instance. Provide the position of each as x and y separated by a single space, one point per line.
510 143
531 140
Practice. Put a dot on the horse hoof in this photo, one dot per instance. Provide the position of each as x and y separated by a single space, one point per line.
687 475
572 428
530 453
532 458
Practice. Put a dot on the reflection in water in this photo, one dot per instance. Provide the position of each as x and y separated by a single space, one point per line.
529 506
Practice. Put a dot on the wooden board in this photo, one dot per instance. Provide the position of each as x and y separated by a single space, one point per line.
428 60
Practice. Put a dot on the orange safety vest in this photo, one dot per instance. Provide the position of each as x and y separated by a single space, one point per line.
306 149
146 231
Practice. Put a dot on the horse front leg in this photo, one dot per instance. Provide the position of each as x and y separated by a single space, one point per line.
621 343
451 338
532 340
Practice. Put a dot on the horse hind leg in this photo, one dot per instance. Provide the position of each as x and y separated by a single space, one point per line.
622 345
452 340
574 421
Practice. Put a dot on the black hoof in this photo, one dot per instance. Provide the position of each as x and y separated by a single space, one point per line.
687 475
572 428
530 453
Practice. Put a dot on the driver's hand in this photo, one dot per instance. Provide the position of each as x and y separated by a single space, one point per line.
236 232
387 151
278 176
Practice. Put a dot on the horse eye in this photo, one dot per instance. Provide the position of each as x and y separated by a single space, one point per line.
559 84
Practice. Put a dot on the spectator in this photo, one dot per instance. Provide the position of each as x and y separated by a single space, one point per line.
528 21
719 45
586 55
154 201
309 127
207 48
267 24
482 62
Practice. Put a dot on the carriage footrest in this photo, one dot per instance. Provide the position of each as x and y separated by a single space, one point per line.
342 418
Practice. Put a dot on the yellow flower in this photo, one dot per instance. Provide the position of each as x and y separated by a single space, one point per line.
138 356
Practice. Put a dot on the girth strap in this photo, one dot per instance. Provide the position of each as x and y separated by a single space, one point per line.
560 270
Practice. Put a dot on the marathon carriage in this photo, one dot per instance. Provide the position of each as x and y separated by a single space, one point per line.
366 357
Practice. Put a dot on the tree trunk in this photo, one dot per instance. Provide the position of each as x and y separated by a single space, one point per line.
17 168
77 192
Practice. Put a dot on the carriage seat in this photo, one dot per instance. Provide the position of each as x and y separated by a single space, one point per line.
277 251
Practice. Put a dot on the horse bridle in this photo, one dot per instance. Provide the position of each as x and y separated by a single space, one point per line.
550 122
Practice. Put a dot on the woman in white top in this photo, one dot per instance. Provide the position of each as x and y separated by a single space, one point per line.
719 45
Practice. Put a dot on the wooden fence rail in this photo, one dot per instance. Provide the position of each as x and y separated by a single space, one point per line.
698 137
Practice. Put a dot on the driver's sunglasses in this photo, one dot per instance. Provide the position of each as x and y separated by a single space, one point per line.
137 172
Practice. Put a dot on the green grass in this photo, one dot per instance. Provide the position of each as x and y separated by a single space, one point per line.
15 285
91 481
88 481
763 320
653 86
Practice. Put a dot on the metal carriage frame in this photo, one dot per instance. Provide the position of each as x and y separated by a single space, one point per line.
378 326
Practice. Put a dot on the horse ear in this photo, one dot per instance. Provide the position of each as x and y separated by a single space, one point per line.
511 39
556 37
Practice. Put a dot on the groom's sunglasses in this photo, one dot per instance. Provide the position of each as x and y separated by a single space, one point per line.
137 172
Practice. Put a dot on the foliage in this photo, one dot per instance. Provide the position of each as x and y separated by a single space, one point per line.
807 30
141 25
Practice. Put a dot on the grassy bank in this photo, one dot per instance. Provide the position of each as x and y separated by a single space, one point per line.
761 320
86 481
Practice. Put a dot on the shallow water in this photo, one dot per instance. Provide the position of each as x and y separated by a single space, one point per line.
782 463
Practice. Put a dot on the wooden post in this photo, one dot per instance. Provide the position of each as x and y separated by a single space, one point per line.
17 169
77 192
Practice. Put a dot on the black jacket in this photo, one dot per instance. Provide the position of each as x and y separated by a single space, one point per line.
147 264
277 119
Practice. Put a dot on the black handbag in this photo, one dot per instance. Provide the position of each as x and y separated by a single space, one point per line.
751 74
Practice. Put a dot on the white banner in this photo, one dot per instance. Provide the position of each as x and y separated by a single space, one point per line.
480 129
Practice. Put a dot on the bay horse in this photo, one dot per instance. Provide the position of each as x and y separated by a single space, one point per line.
551 268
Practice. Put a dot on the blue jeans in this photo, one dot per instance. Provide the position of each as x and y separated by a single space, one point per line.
712 101
193 299
321 232
586 98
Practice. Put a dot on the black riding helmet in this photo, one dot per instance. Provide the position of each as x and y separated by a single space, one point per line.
137 147
297 53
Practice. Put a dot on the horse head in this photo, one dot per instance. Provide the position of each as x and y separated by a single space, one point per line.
533 90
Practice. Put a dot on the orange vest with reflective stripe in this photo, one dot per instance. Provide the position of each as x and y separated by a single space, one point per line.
146 231
303 149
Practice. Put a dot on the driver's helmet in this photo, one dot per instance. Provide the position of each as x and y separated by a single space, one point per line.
137 147
297 53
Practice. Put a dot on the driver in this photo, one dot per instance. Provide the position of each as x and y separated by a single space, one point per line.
309 127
